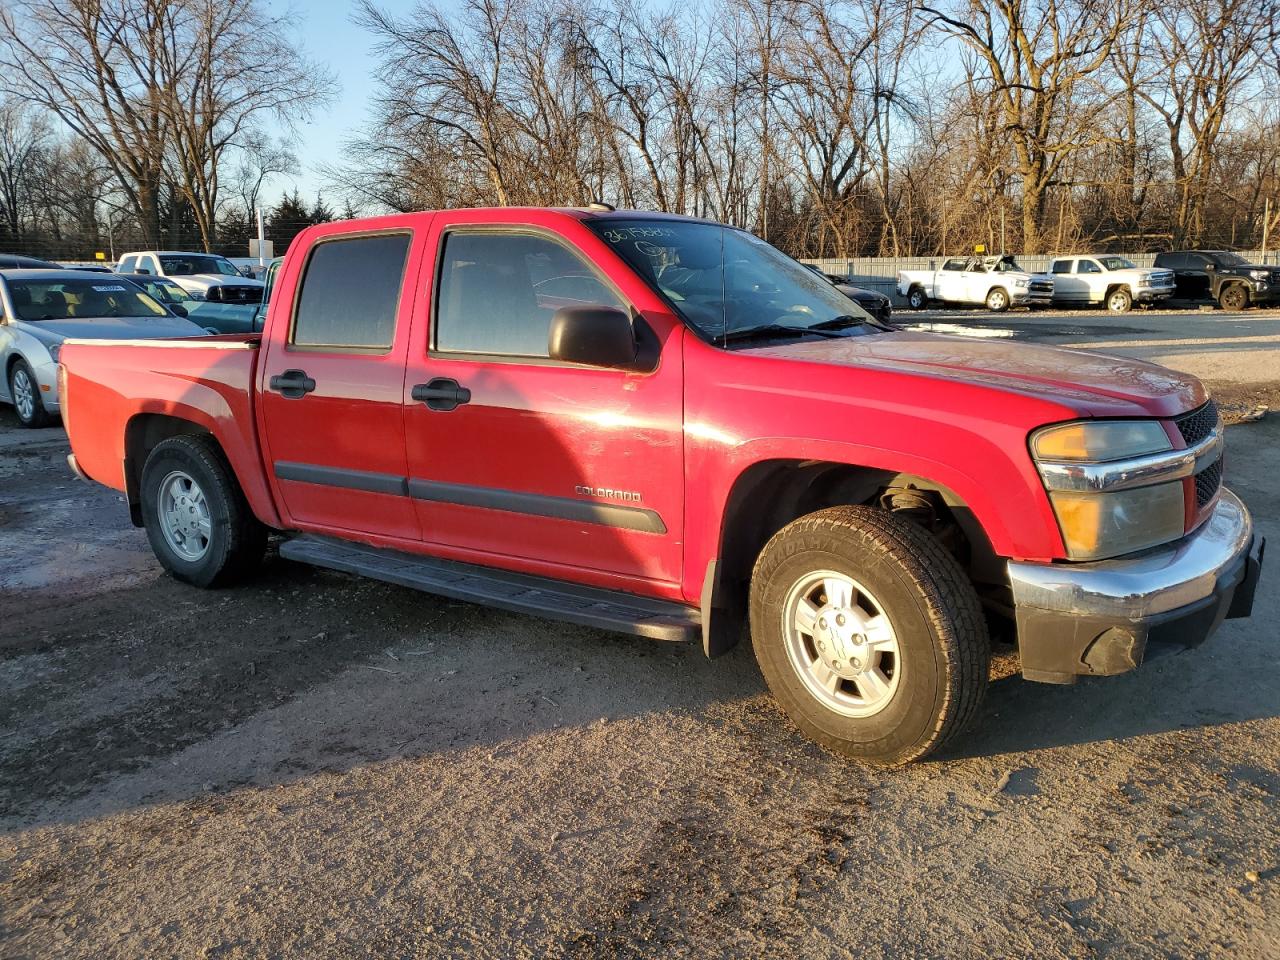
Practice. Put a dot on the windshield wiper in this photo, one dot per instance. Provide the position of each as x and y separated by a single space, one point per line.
842 321
767 330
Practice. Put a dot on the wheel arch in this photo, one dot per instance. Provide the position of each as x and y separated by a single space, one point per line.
769 494
146 429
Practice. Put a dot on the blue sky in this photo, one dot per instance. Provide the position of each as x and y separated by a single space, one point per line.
325 30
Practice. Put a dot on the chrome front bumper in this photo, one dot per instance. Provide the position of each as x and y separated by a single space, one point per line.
1098 618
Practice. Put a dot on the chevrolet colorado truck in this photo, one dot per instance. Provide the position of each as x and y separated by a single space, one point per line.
1110 280
665 427
1218 275
997 282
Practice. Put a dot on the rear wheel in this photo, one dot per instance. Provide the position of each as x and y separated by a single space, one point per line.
868 633
1119 300
998 299
916 299
199 525
1233 297
24 391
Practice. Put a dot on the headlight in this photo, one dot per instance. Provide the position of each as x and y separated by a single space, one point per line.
1020 284
1144 281
1100 440
1115 485
1100 525
1260 274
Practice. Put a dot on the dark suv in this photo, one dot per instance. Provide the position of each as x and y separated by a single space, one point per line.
1228 278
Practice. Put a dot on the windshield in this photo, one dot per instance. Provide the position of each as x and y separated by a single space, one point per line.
182 265
1228 259
1115 263
165 292
77 299
724 281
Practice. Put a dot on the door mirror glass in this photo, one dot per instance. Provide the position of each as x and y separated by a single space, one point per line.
595 336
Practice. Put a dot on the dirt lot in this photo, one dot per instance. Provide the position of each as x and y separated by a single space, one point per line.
319 766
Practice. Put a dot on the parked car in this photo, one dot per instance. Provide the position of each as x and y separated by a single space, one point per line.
86 267
205 276
1115 281
714 442
213 315
1217 275
42 308
13 261
872 301
997 282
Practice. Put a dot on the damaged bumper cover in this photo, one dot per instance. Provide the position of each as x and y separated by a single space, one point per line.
1106 617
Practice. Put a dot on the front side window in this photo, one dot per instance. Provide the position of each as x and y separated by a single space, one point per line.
1228 260
1088 266
350 293
188 264
81 299
1117 263
499 291
727 283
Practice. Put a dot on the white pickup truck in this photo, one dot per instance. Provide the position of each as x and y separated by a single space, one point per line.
996 281
206 276
1115 281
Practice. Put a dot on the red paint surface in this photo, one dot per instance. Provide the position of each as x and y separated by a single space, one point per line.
956 411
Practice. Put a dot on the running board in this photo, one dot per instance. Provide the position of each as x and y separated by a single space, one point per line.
519 592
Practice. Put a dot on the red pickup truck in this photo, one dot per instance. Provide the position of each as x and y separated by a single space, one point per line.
664 426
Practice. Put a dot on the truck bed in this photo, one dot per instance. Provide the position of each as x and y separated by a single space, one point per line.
112 389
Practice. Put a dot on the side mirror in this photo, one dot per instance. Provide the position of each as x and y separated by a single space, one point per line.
179 309
245 272
1211 266
595 336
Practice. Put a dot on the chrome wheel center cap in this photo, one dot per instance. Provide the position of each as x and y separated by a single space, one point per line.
841 642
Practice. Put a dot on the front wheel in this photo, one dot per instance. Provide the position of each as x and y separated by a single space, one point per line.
24 391
1233 297
998 300
1119 300
869 634
200 527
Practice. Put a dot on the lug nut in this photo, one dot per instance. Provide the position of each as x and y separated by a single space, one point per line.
840 620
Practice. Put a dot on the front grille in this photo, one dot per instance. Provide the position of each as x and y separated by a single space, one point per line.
1197 424
1208 481
1042 286
235 294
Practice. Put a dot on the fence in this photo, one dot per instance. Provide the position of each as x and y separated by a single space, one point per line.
880 273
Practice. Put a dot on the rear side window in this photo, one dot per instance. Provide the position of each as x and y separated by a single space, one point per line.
499 291
351 292
1062 266
128 264
1170 261
955 263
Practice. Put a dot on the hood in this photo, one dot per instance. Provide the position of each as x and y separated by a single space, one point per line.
204 281
1094 384
111 328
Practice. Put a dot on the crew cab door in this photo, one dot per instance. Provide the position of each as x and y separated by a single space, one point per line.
331 382
1067 285
950 281
525 462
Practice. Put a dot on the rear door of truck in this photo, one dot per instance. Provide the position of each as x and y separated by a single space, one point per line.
332 377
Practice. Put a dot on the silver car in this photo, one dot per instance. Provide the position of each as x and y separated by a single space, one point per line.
42 308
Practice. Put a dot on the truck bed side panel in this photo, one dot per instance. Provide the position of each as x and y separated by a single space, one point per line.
206 382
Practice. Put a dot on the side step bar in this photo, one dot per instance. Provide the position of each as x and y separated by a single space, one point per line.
519 592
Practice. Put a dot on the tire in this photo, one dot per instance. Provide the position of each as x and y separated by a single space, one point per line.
928 681
997 299
1119 300
24 392
1233 297
916 299
199 524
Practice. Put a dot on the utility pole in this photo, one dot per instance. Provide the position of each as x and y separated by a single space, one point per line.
262 239
1266 226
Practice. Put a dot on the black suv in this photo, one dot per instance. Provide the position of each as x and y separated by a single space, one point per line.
1228 278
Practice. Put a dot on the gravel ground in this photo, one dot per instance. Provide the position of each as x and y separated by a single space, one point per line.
314 765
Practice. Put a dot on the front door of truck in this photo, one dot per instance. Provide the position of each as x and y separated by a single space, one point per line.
525 462
332 379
